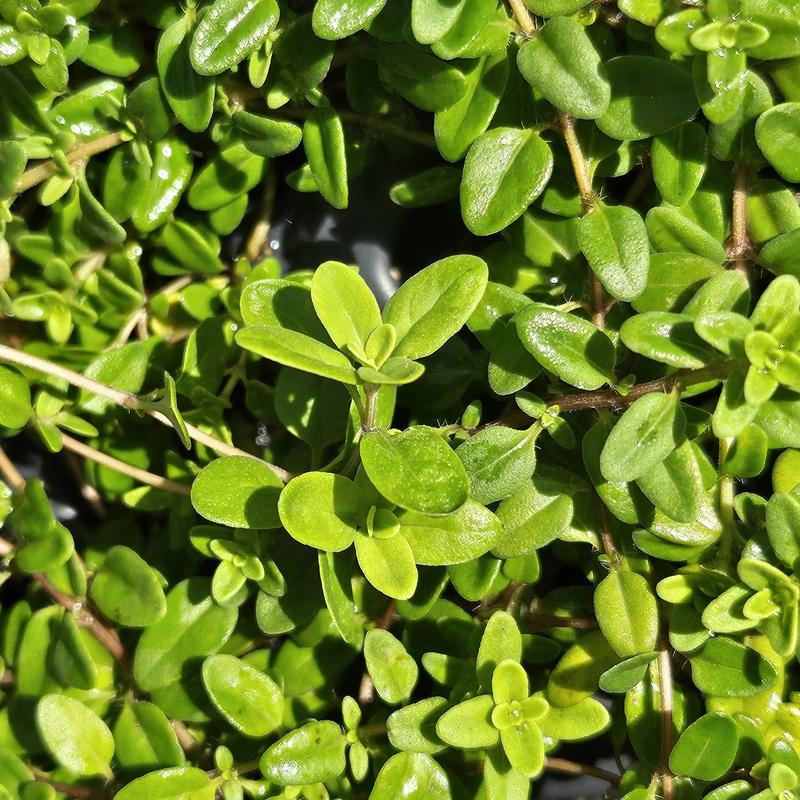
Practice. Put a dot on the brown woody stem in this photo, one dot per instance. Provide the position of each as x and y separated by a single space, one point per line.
567 767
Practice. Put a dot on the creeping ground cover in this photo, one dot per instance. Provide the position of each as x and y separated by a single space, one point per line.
535 516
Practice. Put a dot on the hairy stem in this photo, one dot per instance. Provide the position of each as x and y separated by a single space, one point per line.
739 243
76 156
126 400
665 686
141 475
610 398
579 165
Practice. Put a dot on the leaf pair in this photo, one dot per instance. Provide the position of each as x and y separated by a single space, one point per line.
424 313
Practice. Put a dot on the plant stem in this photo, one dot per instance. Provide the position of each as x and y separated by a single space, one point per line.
68 789
573 768
88 492
610 398
606 537
141 475
10 473
522 17
257 246
126 400
666 695
76 156
739 244
579 165
86 617
370 408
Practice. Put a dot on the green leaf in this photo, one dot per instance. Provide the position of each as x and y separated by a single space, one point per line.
783 526
670 230
461 536
234 171
144 738
509 682
623 499
434 304
169 176
501 640
678 158
706 749
524 748
675 485
583 720
532 518
636 111
177 783
498 461
345 305
59 719
388 564
190 248
15 399
127 590
505 170
96 220
625 675
393 671
627 612
725 668
193 627
296 350
190 95
411 776
323 140
281 303
614 241
573 349
46 543
645 435
238 491
320 509
415 469
412 728
427 188
468 725
312 753
229 31
335 572
778 136
124 368
420 77
266 136
458 126
248 699
69 658
563 65
667 338
333 21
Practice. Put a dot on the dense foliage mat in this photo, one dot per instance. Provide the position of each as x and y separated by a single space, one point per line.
547 494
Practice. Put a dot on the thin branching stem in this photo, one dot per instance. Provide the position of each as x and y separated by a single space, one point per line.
77 156
141 475
126 400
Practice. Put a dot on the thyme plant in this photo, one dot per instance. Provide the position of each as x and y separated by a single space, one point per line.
549 493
